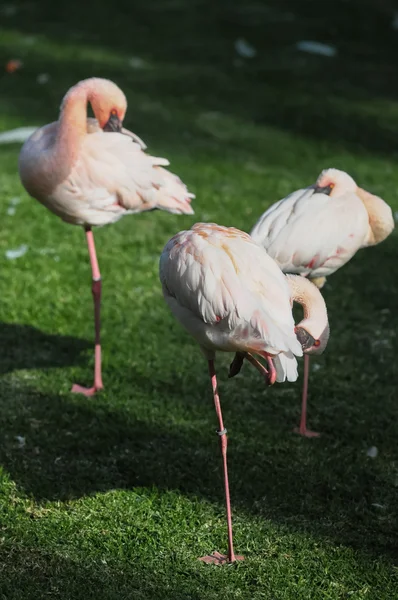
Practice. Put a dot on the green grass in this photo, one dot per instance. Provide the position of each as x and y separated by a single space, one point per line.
116 496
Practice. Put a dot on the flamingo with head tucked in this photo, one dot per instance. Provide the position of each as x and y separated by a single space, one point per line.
316 230
93 172
232 297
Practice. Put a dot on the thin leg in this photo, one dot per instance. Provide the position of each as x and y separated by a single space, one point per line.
96 289
271 371
236 365
257 365
302 430
216 557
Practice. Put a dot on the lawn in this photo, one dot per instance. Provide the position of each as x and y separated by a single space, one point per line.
114 497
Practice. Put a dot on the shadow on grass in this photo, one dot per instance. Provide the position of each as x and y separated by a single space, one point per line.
34 572
26 347
75 446
188 62
326 489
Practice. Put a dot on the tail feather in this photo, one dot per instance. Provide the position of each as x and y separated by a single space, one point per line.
286 367
173 196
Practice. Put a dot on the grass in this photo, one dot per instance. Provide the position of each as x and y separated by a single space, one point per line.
116 496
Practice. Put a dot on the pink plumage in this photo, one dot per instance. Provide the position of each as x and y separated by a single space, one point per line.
232 297
317 230
93 172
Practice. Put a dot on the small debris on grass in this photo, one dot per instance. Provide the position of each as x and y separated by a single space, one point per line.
372 452
11 210
376 505
17 252
43 78
136 62
13 65
20 134
316 366
316 48
45 251
244 49
21 441
48 252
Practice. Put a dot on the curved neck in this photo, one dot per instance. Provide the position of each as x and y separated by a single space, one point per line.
307 294
72 127
73 115
381 221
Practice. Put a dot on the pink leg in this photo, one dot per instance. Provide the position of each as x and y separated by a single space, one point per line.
236 365
257 365
216 557
271 371
302 430
96 289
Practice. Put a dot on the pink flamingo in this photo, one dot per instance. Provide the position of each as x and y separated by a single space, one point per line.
232 297
316 230
93 172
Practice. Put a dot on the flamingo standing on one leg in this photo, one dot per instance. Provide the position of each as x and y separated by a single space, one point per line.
231 296
93 172
316 230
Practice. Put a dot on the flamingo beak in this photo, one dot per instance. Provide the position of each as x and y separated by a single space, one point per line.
327 189
306 340
113 124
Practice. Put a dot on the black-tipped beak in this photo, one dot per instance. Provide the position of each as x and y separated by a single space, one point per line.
306 340
114 124
327 189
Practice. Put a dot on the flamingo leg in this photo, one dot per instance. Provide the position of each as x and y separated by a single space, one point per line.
302 430
216 557
271 371
236 365
257 365
96 290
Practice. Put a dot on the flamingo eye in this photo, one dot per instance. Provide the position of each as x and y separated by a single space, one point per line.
332 185
114 112
317 343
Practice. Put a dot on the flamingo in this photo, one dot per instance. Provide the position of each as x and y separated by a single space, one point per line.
92 172
232 297
316 230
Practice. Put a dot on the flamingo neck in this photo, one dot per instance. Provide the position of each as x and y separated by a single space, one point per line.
73 120
309 297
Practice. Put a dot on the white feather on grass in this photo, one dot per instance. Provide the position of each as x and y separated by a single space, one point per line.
20 134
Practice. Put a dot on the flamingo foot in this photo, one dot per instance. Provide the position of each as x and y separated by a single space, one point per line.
79 389
220 559
306 432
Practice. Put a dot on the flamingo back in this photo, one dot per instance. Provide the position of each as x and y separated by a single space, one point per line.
313 234
226 290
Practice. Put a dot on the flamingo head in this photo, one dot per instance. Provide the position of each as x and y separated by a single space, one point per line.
335 183
108 102
314 342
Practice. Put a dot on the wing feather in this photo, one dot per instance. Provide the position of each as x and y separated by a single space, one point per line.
311 233
230 283
114 174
